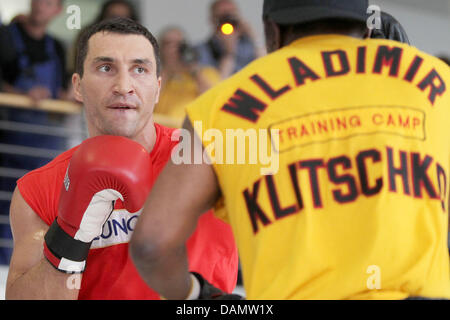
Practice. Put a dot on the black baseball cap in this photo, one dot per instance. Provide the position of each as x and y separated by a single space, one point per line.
299 11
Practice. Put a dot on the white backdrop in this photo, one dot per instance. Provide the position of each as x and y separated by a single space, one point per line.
427 22
193 16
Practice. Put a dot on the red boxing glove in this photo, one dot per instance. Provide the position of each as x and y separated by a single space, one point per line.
102 170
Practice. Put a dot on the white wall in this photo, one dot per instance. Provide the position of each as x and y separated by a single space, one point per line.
426 22
10 8
193 16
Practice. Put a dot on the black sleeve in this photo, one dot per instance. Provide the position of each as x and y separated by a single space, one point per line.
1 59
8 56
1 81
61 52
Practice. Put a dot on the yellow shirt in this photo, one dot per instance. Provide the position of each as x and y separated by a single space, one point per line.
356 207
180 90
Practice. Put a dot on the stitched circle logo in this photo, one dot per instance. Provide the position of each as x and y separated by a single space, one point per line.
66 179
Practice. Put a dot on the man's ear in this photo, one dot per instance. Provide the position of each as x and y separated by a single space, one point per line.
159 81
76 83
273 35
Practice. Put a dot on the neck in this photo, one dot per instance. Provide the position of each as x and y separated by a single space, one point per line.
146 137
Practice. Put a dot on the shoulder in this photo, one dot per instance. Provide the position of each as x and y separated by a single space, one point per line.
412 52
166 134
57 164
441 66
41 188
54 167
167 139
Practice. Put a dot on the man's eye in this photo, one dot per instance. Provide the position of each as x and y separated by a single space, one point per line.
105 68
139 70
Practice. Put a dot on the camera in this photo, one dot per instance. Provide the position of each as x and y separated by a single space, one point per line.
228 24
188 54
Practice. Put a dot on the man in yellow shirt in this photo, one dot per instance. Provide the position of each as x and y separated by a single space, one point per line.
183 77
351 203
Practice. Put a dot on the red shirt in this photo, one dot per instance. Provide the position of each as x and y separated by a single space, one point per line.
110 272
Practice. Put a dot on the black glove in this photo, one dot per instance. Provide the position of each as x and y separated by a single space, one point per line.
209 292
390 29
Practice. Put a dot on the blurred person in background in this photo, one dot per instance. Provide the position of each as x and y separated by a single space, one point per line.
117 9
32 63
35 63
183 77
232 51
1 78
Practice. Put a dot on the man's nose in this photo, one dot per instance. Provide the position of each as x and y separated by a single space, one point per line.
124 84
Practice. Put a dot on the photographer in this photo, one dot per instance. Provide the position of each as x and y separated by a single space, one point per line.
231 48
183 77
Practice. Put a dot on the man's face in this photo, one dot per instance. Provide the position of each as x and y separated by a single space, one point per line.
170 46
119 87
43 11
222 9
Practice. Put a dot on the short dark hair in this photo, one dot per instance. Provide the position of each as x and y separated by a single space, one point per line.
116 25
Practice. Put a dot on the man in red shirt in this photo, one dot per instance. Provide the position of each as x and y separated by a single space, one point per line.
118 80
